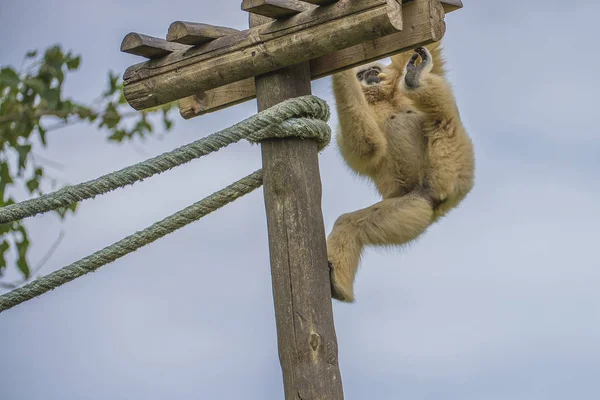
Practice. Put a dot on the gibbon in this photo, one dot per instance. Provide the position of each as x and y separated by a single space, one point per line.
399 125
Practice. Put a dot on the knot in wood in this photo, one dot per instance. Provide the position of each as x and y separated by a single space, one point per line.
314 341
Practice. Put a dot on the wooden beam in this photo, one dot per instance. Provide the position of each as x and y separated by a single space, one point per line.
217 99
452 5
449 5
275 8
306 337
192 33
259 50
148 46
426 21
320 2
427 25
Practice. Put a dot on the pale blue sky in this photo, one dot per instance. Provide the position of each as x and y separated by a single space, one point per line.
498 301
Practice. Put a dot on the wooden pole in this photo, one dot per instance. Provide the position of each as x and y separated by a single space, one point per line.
306 335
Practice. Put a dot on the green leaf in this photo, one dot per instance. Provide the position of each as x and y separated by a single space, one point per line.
63 211
73 63
118 135
5 228
111 117
5 178
22 247
23 151
83 112
67 106
42 133
113 86
3 248
166 121
9 77
36 84
143 125
33 184
31 54
52 97
54 57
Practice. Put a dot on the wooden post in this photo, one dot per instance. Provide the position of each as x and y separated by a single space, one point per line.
306 335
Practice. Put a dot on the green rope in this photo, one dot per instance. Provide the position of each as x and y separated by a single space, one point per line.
303 117
299 117
132 242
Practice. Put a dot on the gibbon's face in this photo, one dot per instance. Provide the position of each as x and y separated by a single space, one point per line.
370 74
377 81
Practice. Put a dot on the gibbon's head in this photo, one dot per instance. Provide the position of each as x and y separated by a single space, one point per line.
377 80
370 74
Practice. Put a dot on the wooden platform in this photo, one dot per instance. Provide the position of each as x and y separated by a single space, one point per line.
210 67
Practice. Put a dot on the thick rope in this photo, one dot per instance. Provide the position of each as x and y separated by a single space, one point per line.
132 242
303 117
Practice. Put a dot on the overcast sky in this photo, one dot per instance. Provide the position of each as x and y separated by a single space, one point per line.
498 301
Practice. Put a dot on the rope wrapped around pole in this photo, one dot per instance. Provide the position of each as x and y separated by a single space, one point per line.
303 117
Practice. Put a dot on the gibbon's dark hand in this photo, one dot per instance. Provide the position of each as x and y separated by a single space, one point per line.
415 71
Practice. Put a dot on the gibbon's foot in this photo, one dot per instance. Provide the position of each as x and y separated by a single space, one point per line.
339 291
414 72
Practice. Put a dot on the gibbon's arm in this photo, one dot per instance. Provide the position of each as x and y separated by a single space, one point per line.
361 140
450 173
434 97
431 92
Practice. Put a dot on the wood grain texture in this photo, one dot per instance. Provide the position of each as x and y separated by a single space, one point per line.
217 99
320 2
425 24
148 46
306 335
452 5
192 33
259 50
449 5
275 8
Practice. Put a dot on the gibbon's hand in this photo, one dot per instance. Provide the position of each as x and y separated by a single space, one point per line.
415 72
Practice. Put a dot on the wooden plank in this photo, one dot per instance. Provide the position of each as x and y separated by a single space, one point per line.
148 46
452 5
427 25
217 99
449 5
320 2
275 8
425 17
192 33
260 50
306 337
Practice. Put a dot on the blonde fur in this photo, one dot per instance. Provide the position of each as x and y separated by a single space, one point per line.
410 141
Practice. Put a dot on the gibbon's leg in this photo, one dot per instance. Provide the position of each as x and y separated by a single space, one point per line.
392 221
360 139
450 151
